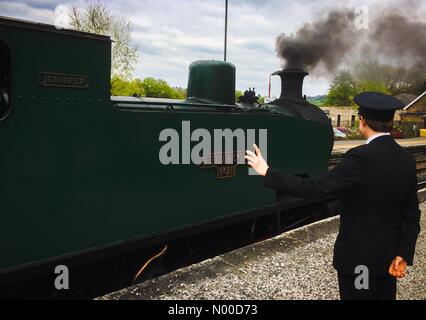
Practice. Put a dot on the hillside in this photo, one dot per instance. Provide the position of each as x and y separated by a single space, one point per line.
317 100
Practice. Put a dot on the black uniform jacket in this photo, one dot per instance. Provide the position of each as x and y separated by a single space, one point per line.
380 216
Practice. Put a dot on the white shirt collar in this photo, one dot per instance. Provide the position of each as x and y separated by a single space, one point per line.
377 136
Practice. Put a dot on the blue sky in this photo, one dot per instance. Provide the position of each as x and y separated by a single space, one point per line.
170 34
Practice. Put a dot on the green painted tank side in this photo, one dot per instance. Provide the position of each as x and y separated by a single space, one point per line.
77 173
212 82
77 178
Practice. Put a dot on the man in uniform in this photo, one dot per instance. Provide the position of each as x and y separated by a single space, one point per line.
380 216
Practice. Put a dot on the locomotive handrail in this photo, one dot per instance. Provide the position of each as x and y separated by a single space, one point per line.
175 102
180 105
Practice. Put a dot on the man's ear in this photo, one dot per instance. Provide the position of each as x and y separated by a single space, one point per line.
362 121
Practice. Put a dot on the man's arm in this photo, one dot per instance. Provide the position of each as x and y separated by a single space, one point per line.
345 175
410 224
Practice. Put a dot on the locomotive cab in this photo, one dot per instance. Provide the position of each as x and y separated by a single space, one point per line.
5 79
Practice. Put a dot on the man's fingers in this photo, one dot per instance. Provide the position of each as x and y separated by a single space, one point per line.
402 267
248 158
396 264
258 152
391 269
252 154
402 270
250 161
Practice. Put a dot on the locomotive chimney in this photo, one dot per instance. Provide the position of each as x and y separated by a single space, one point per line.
291 83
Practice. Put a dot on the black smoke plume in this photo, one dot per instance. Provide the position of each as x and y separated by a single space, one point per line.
395 37
325 41
400 40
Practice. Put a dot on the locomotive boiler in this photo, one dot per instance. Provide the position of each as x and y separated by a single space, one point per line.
80 172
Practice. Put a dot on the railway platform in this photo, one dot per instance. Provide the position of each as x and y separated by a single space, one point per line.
293 266
342 146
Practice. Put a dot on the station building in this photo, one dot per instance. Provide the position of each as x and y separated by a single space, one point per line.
413 117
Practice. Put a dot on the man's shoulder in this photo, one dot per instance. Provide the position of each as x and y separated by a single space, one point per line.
372 150
363 151
357 155
359 150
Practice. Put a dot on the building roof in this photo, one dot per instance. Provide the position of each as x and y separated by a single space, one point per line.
17 23
406 98
415 100
412 114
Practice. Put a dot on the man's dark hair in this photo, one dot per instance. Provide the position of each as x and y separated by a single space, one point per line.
380 126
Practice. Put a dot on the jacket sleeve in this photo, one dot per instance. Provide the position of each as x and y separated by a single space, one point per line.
410 224
346 174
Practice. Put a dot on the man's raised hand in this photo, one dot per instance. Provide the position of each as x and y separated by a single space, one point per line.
256 161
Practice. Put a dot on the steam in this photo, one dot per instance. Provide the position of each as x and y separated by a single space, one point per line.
325 41
333 40
401 40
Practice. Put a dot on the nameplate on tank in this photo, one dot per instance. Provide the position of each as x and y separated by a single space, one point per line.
49 79
225 163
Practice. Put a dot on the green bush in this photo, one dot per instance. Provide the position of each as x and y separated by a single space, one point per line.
149 87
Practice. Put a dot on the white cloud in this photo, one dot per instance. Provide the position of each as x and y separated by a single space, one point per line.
25 11
171 34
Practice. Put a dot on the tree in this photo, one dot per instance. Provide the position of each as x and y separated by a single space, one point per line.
342 90
121 87
375 76
374 71
366 85
371 76
156 88
181 93
396 79
238 94
96 18
149 87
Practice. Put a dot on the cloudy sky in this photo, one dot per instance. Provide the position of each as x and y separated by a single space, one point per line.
171 34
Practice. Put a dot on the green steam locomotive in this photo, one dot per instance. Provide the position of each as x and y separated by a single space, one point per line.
81 173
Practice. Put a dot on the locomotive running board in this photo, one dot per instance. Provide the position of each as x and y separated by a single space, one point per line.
29 271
